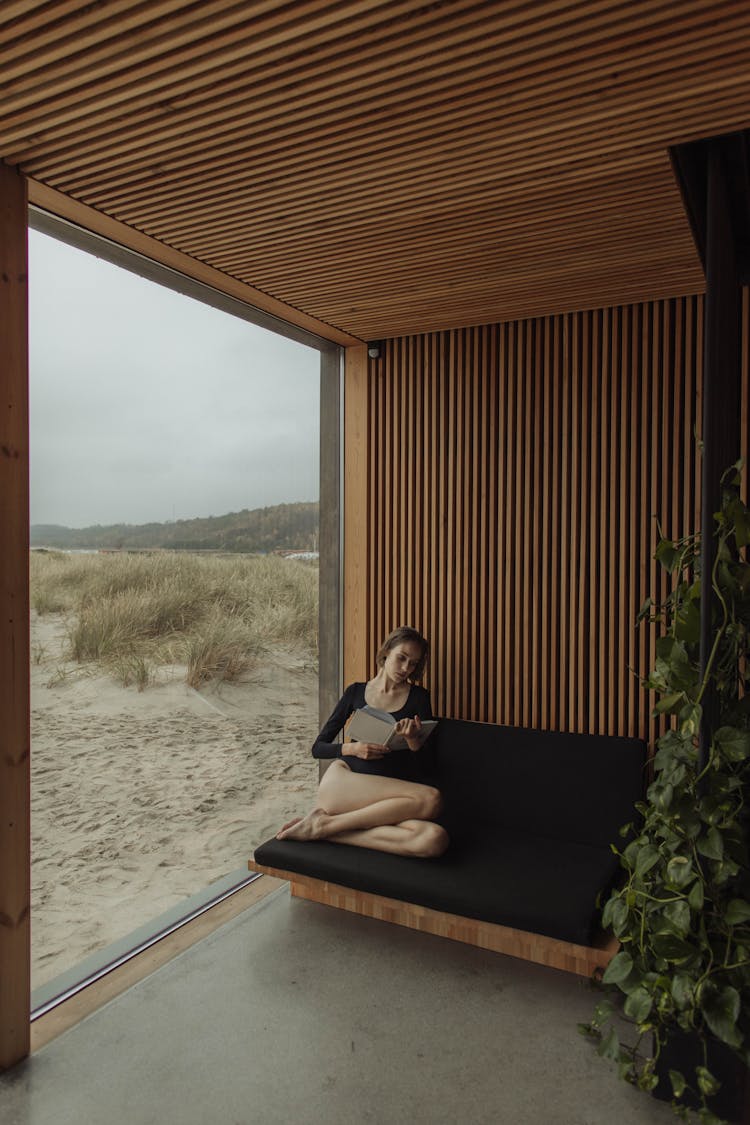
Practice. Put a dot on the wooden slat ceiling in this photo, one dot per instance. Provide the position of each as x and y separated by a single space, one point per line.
386 166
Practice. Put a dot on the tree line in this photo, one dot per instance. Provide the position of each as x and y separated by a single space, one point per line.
260 530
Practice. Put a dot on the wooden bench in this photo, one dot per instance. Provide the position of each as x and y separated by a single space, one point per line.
531 816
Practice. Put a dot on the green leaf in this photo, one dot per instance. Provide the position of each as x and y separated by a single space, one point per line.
679 1084
696 896
675 774
725 872
667 555
690 718
677 915
670 947
740 517
648 1080
669 703
647 858
711 845
734 744
679 871
721 1011
638 1004
674 745
690 822
682 990
619 916
618 969
708 1118
707 1084
737 911
662 796
675 663
609 1048
688 623
603 1011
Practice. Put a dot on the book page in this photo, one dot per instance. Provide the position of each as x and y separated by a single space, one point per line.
398 742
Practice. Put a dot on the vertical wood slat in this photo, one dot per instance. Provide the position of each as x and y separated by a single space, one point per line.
15 797
480 470
555 524
608 478
632 395
432 532
548 449
439 625
527 507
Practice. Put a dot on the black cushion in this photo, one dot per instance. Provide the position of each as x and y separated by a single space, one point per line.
522 881
572 787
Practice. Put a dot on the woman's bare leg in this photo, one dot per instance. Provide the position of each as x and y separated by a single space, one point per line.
372 811
419 838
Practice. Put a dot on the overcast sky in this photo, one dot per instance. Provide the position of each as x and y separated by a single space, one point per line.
147 405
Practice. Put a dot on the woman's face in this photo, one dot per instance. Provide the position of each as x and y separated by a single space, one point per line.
401 660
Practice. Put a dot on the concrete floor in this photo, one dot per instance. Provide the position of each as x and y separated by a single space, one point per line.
298 1012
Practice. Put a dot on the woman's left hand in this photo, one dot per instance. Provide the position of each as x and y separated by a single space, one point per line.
411 729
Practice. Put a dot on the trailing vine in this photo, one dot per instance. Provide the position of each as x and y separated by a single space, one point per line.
682 910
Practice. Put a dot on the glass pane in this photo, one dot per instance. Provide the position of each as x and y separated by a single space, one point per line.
174 587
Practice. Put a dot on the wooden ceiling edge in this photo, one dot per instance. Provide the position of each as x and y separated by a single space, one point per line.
517 316
65 207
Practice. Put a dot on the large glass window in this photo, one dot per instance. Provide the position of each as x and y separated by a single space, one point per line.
174 592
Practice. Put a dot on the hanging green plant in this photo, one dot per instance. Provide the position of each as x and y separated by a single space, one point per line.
682 911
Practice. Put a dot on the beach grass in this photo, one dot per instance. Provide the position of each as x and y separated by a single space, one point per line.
217 615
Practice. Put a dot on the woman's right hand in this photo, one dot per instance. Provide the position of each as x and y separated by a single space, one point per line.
363 750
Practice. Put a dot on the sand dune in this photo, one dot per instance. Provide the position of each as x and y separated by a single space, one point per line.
140 799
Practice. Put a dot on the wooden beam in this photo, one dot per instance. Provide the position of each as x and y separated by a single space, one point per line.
15 847
721 388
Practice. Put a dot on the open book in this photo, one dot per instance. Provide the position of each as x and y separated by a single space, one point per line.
371 725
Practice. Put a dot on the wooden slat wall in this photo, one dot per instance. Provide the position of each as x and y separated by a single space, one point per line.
514 475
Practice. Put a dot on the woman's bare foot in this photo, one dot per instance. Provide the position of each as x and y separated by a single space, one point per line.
310 827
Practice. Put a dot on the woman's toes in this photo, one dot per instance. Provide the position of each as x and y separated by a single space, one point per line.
289 824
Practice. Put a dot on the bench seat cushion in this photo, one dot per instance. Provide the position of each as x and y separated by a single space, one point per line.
579 787
523 881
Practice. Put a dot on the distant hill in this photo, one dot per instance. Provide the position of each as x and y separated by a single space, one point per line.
282 527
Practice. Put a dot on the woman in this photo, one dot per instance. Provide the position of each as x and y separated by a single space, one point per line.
370 796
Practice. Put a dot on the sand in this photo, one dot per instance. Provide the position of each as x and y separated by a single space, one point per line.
142 798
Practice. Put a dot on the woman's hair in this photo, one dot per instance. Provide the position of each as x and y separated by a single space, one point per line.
397 637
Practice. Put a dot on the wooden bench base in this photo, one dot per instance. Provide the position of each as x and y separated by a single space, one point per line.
580 959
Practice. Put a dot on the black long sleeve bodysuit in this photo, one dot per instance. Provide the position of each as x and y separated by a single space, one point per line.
407 764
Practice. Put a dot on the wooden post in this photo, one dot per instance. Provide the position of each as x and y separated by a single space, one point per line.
357 659
722 394
15 848
329 534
